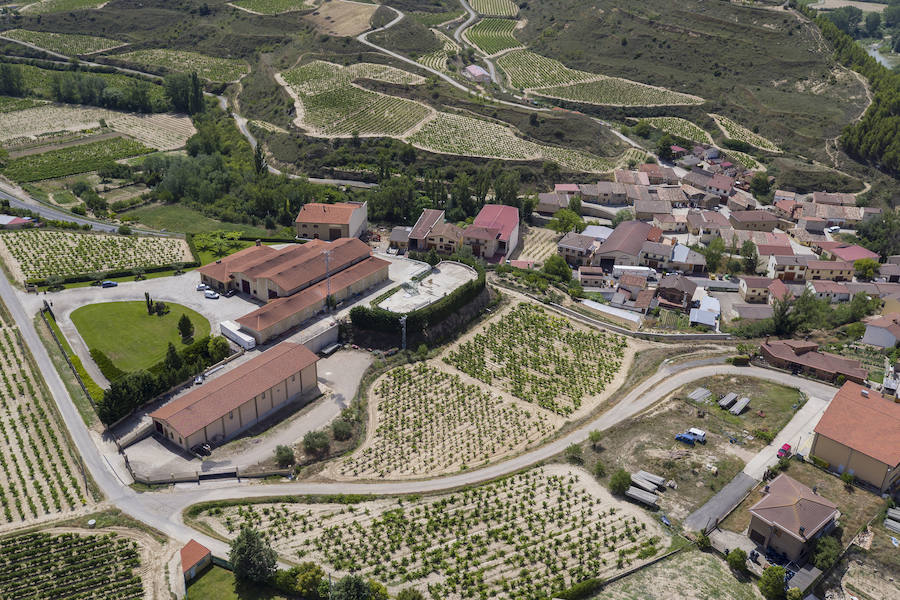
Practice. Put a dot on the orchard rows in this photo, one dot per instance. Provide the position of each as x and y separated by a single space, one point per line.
491 36
738 132
495 8
212 68
437 60
522 537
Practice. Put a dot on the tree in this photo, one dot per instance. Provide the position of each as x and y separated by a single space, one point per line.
218 348
599 470
124 230
173 360
148 302
302 580
565 220
664 147
574 454
848 478
771 584
749 257
760 185
251 557
642 128
260 166
781 315
595 436
737 560
866 268
12 81
703 542
556 266
185 327
626 214
316 443
713 254
796 593
284 455
620 482
351 587
828 548
873 22
412 593
341 429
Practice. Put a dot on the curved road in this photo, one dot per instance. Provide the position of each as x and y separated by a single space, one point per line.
457 34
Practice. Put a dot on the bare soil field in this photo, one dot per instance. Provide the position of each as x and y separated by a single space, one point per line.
524 536
342 18
539 244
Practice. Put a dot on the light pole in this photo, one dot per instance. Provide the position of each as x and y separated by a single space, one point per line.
327 255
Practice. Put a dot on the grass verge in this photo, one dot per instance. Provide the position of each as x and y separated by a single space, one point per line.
219 583
81 401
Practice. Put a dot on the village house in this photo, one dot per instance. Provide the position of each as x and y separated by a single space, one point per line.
655 255
686 260
637 193
834 270
847 252
753 220
623 247
882 330
804 357
418 236
889 272
676 291
591 277
445 238
778 290
812 224
671 194
494 233
834 198
706 223
670 223
787 268
860 433
611 193
631 177
739 202
576 249
658 174
754 289
549 203
399 239
331 221
645 210
782 195
832 291
786 209
720 185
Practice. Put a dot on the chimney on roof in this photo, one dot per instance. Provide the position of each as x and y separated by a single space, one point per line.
865 393
259 242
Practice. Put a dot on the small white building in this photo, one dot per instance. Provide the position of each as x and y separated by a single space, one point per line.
476 73
883 330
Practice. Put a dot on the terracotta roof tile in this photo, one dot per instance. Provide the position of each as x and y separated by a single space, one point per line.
868 425
793 507
318 212
192 553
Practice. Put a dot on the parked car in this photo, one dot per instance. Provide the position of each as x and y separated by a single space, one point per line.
784 451
211 294
201 287
108 283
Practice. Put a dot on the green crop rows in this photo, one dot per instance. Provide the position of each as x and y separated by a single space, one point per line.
738 132
493 35
746 160
273 7
54 6
41 83
541 358
526 70
523 537
437 60
64 43
495 8
182 61
681 128
10 104
72 160
69 567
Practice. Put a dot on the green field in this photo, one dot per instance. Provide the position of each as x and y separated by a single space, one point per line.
174 217
130 337
40 82
217 583
181 61
273 7
64 43
72 159
493 35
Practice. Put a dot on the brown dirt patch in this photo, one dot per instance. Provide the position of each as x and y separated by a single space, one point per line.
342 18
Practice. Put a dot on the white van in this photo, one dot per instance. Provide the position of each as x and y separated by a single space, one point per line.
698 434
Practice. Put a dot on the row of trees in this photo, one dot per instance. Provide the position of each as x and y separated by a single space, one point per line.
806 313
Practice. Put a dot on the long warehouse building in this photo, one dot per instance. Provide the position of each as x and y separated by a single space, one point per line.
227 405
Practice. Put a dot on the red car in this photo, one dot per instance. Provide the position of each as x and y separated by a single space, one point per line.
784 451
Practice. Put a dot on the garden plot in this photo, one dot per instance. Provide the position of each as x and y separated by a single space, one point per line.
491 36
182 61
35 254
438 59
70 160
631 157
681 128
734 131
69 44
526 536
539 244
550 78
495 8
53 6
541 358
160 131
424 422
39 472
69 566
272 7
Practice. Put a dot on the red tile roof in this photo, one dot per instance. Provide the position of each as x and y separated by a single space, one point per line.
773 250
868 425
829 265
627 237
852 253
805 354
317 212
756 282
222 269
192 553
425 223
794 508
498 216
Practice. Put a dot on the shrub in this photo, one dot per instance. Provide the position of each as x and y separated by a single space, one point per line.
737 560
581 590
316 443
764 435
703 542
620 482
341 429
303 580
794 594
828 549
848 478
595 436
599 470
574 454
410 594
822 464
106 366
771 584
284 456
740 360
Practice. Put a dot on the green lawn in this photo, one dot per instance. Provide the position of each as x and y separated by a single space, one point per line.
130 337
173 217
217 583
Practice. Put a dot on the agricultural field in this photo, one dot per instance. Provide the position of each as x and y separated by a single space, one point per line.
342 19
631 155
495 8
538 244
438 59
525 70
428 421
491 36
11 104
681 128
69 566
430 19
72 159
746 160
43 7
64 43
734 131
41 83
160 130
38 254
40 474
181 61
541 358
522 537
272 7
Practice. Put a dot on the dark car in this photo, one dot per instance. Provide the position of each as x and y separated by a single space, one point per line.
230 293
108 283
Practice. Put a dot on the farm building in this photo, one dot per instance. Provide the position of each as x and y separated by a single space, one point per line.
832 291
331 221
753 220
805 357
399 237
790 517
445 238
242 397
428 220
593 277
550 202
833 270
623 246
860 433
646 210
11 222
194 558
476 73
784 195
576 249
834 198
706 223
494 232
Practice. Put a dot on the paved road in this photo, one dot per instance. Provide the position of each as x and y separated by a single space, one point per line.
457 34
16 200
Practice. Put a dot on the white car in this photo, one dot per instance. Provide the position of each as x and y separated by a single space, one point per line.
201 287
211 294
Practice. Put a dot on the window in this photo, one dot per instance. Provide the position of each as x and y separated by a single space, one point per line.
231 415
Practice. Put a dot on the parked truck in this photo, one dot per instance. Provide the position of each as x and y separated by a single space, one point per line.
619 270
233 332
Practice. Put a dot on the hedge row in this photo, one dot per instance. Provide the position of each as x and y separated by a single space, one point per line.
106 366
112 274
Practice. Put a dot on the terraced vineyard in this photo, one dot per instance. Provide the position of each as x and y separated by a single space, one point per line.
493 35
42 7
541 358
273 7
550 78
39 472
437 60
160 131
746 160
65 43
527 536
429 422
37 254
495 8
72 159
738 132
681 128
69 566
182 61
